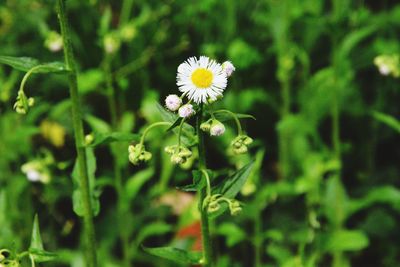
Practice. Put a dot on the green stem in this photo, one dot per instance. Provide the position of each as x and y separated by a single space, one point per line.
89 231
180 132
26 76
237 121
283 136
258 239
125 12
146 131
121 207
205 229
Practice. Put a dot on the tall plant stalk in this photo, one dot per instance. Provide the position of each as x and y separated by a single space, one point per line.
205 225
121 205
89 231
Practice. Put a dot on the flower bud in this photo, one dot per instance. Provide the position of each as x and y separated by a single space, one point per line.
176 159
228 67
186 111
213 207
138 154
89 139
54 41
217 128
173 102
205 126
111 43
31 101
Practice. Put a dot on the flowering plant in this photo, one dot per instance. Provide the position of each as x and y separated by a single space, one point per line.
202 82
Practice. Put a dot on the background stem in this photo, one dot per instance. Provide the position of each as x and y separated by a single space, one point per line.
89 232
205 229
118 183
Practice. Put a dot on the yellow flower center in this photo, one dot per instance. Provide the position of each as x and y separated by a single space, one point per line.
202 78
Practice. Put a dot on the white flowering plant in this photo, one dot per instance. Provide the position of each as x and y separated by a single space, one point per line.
202 81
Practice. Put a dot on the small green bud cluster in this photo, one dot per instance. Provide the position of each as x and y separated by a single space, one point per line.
37 171
388 65
7 259
240 143
213 204
179 154
23 103
213 127
138 154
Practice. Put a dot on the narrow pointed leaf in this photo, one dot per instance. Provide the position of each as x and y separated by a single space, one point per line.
388 120
106 138
175 254
36 240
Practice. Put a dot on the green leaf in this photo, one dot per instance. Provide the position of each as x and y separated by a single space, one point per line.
136 182
198 182
27 63
346 240
224 116
231 186
36 240
175 254
106 138
19 63
157 228
77 197
385 194
175 124
36 251
388 120
233 233
97 124
188 137
336 201
40 255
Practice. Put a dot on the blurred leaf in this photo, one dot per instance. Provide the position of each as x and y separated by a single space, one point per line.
385 194
233 233
354 38
175 254
77 197
387 119
157 228
27 63
135 182
346 240
223 116
336 201
90 80
97 124
106 138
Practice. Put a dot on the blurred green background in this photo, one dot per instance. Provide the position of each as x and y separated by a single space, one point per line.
325 187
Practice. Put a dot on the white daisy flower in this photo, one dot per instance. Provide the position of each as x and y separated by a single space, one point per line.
173 102
186 111
201 79
228 68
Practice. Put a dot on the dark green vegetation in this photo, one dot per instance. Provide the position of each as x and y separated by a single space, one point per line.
324 189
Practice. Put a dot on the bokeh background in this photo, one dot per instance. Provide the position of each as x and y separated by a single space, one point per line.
325 187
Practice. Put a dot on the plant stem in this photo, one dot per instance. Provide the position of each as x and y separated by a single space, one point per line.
89 231
283 135
121 206
205 229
